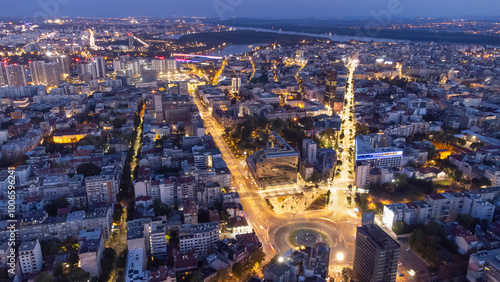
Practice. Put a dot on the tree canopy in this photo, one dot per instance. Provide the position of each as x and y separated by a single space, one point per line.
88 169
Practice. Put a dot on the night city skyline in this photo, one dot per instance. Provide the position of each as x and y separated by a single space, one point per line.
250 140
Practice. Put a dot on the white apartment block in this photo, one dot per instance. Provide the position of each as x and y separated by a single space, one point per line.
135 270
409 213
157 240
445 206
101 189
201 237
167 192
30 257
309 148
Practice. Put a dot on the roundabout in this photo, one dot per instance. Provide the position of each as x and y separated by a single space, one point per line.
307 238
300 233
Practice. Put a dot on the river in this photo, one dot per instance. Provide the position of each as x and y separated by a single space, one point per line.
234 50
340 38
241 49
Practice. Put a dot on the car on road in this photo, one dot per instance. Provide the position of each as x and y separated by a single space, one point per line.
408 249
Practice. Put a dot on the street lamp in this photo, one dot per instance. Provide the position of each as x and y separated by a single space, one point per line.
339 256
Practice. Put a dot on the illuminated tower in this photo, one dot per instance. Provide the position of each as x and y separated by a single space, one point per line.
37 69
236 84
91 39
158 104
331 87
63 61
52 74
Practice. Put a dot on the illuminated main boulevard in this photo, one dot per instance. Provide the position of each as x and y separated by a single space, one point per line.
337 223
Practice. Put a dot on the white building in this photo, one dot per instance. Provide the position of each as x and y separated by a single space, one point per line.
201 237
158 104
483 210
30 257
167 192
493 175
101 189
236 84
409 213
267 97
99 67
157 240
52 74
309 148
370 150
91 244
15 75
238 225
484 265
136 270
4 136
171 65
362 175
444 206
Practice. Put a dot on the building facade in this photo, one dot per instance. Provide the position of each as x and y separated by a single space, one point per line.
376 256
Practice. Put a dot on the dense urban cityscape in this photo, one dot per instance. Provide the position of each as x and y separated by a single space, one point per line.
211 149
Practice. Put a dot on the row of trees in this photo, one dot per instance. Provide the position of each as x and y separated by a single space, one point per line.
430 242
363 129
249 267
403 185
253 133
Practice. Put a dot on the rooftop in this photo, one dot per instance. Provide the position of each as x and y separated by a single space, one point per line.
28 246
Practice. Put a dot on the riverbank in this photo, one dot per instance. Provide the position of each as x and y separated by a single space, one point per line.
336 31
244 37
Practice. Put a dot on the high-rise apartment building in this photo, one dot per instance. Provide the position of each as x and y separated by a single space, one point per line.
3 78
164 66
157 241
376 256
158 104
64 64
118 65
309 148
48 74
236 84
171 65
37 70
331 87
15 75
99 67
52 74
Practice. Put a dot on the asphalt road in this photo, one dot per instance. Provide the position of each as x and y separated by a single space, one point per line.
281 236
409 260
338 220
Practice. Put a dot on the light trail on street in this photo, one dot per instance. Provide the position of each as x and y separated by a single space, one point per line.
338 217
